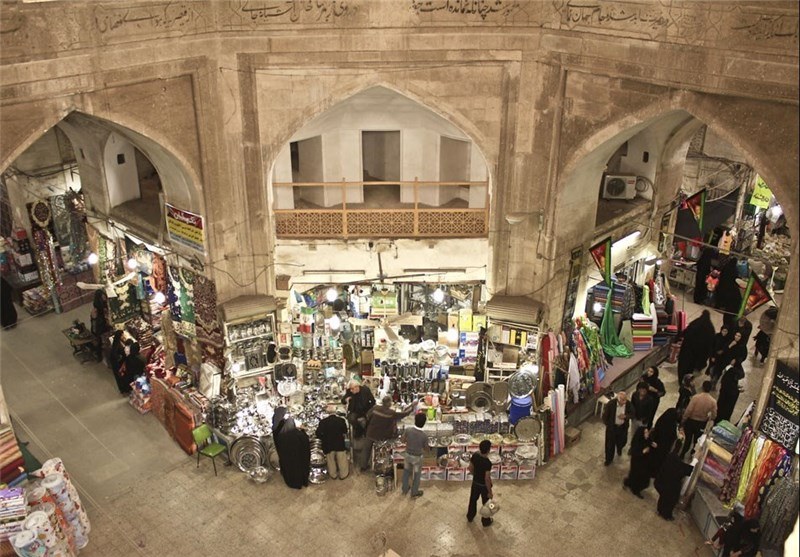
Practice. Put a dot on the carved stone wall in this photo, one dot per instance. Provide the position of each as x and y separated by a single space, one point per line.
221 86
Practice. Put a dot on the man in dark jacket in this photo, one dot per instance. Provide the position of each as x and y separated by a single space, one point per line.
358 400
616 417
382 426
332 431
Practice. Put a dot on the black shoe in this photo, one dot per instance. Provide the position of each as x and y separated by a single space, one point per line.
417 494
487 522
606 463
469 519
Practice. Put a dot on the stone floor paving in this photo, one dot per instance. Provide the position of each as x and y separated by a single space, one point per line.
146 497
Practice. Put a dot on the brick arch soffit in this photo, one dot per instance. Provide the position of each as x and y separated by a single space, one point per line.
674 102
346 93
119 125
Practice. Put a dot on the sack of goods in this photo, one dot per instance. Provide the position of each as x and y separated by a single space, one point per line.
490 508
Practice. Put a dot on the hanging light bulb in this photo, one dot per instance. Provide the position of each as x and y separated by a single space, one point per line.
438 295
331 295
335 322
133 265
597 307
452 335
93 258
159 298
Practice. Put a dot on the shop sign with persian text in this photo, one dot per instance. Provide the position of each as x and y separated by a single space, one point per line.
185 228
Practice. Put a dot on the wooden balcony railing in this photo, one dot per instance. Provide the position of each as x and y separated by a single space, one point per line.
396 220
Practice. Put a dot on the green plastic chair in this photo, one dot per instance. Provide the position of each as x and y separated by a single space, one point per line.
205 447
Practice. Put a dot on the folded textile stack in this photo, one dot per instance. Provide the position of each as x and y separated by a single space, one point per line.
726 435
12 511
642 328
12 470
715 466
665 334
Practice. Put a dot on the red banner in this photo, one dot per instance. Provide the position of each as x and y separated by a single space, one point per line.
696 204
755 295
601 253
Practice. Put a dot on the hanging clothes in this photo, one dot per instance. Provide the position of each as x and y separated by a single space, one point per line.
768 462
731 484
574 378
779 513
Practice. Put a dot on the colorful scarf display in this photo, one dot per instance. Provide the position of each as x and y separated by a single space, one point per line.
740 452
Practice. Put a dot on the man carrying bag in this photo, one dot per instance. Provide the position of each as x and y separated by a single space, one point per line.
481 467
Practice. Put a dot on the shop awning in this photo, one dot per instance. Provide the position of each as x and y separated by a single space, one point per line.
514 309
247 306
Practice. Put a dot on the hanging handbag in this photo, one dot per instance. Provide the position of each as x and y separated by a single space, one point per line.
490 508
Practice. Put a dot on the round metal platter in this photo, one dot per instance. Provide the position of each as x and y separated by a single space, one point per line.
480 402
248 453
521 384
528 428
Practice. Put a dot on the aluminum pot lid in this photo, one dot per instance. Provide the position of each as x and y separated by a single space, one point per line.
528 428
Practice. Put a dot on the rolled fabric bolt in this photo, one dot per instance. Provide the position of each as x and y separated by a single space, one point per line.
27 544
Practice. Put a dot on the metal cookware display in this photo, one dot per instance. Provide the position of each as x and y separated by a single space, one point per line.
248 453
528 428
259 474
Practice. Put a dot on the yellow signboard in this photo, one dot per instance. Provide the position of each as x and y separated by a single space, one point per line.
761 194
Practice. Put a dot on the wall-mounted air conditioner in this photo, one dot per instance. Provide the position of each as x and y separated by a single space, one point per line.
619 187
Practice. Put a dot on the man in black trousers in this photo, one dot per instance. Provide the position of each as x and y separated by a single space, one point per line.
481 468
617 416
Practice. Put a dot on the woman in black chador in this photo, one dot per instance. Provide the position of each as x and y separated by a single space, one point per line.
729 296
133 367
697 344
639 475
294 450
662 438
729 390
8 312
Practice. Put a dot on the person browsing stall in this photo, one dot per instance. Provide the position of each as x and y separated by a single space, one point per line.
382 426
416 441
358 400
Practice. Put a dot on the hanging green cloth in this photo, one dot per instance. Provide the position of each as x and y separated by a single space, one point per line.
608 333
646 300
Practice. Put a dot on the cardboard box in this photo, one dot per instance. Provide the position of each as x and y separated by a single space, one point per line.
478 321
508 449
526 472
495 472
509 472
438 473
455 474
571 436
425 475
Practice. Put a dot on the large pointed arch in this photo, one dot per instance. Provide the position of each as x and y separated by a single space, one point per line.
182 187
737 121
